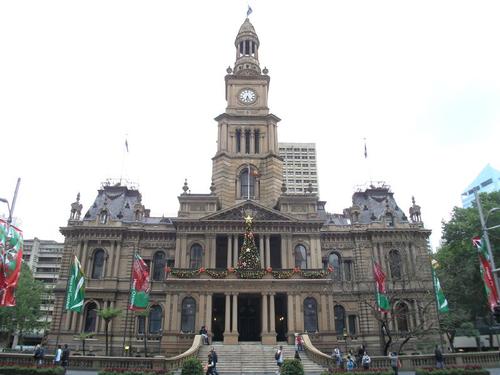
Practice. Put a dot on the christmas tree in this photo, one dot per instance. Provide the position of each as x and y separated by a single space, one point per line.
249 255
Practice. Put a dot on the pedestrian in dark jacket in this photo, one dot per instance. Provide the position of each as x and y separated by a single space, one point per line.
439 357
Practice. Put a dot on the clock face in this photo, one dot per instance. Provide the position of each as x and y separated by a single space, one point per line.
247 96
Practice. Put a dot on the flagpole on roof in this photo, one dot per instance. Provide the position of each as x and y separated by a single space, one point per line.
125 152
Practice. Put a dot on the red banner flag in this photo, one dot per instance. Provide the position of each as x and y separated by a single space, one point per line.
486 272
11 257
139 294
383 303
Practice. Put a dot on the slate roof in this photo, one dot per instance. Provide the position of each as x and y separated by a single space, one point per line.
374 203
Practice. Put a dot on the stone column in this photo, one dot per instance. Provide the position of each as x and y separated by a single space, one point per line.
323 322
118 249
208 311
331 325
230 337
175 313
177 260
235 313
300 314
268 334
235 251
291 319
168 306
109 260
284 253
252 142
213 245
229 252
261 250
268 251
201 311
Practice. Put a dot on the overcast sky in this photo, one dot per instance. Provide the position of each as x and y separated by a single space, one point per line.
420 80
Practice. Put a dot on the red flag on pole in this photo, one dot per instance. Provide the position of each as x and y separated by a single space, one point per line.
11 257
486 272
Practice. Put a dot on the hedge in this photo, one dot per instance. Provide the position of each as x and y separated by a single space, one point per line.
372 371
31 370
131 371
453 370
292 367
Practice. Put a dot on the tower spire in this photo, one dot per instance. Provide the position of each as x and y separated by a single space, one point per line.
247 50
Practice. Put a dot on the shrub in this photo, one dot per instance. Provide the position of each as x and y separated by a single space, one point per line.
453 370
30 370
372 371
292 367
192 366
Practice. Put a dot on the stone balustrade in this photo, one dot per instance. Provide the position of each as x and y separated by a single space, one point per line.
411 362
101 362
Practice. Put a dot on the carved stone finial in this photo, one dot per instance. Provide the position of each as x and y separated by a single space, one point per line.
185 188
265 70
76 209
212 188
283 187
229 70
78 197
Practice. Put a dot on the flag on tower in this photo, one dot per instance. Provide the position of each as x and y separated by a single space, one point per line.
76 287
11 257
366 152
249 10
383 304
139 293
486 272
126 144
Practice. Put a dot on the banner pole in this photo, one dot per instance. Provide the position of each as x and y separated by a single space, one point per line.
127 306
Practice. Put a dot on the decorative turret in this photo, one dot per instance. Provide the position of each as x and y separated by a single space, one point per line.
76 209
247 51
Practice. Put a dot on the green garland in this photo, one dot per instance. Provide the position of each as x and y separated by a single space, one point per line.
217 274
282 274
314 274
251 274
185 274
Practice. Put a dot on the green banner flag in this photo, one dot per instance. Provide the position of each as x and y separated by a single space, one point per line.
442 303
76 287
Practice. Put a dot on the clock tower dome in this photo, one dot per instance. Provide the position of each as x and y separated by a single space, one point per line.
247 165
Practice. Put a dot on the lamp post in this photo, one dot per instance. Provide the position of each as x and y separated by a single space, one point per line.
9 207
345 340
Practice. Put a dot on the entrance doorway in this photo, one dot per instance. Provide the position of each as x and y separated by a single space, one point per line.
218 317
281 322
249 322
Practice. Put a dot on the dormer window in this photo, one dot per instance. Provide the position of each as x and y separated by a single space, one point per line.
138 215
103 217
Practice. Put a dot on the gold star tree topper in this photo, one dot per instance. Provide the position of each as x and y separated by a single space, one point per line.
248 219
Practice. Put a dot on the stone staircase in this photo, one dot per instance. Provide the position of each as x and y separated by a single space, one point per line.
253 359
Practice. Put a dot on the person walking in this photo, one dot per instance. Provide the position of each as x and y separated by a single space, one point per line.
365 361
65 357
39 354
394 362
297 356
215 358
350 363
438 354
58 355
210 365
279 359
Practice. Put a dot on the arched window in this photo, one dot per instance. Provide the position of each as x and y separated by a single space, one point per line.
90 318
188 314
98 264
300 256
334 261
310 315
159 266
402 313
155 315
395 264
195 256
247 183
339 314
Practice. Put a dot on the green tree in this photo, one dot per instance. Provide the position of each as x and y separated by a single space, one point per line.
26 316
249 256
83 337
292 367
108 314
459 265
192 366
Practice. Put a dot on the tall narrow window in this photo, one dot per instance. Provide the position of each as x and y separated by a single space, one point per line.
158 266
247 141
348 270
334 261
98 264
310 315
195 254
352 325
257 141
247 183
238 140
402 315
155 315
103 217
188 315
90 318
141 322
395 264
300 257
339 314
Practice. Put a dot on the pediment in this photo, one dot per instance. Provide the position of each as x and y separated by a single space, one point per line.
257 211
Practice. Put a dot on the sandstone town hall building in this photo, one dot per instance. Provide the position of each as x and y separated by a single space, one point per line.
193 256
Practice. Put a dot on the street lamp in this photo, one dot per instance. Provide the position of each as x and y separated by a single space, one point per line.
11 209
345 340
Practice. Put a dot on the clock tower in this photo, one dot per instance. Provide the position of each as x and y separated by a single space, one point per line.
247 165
